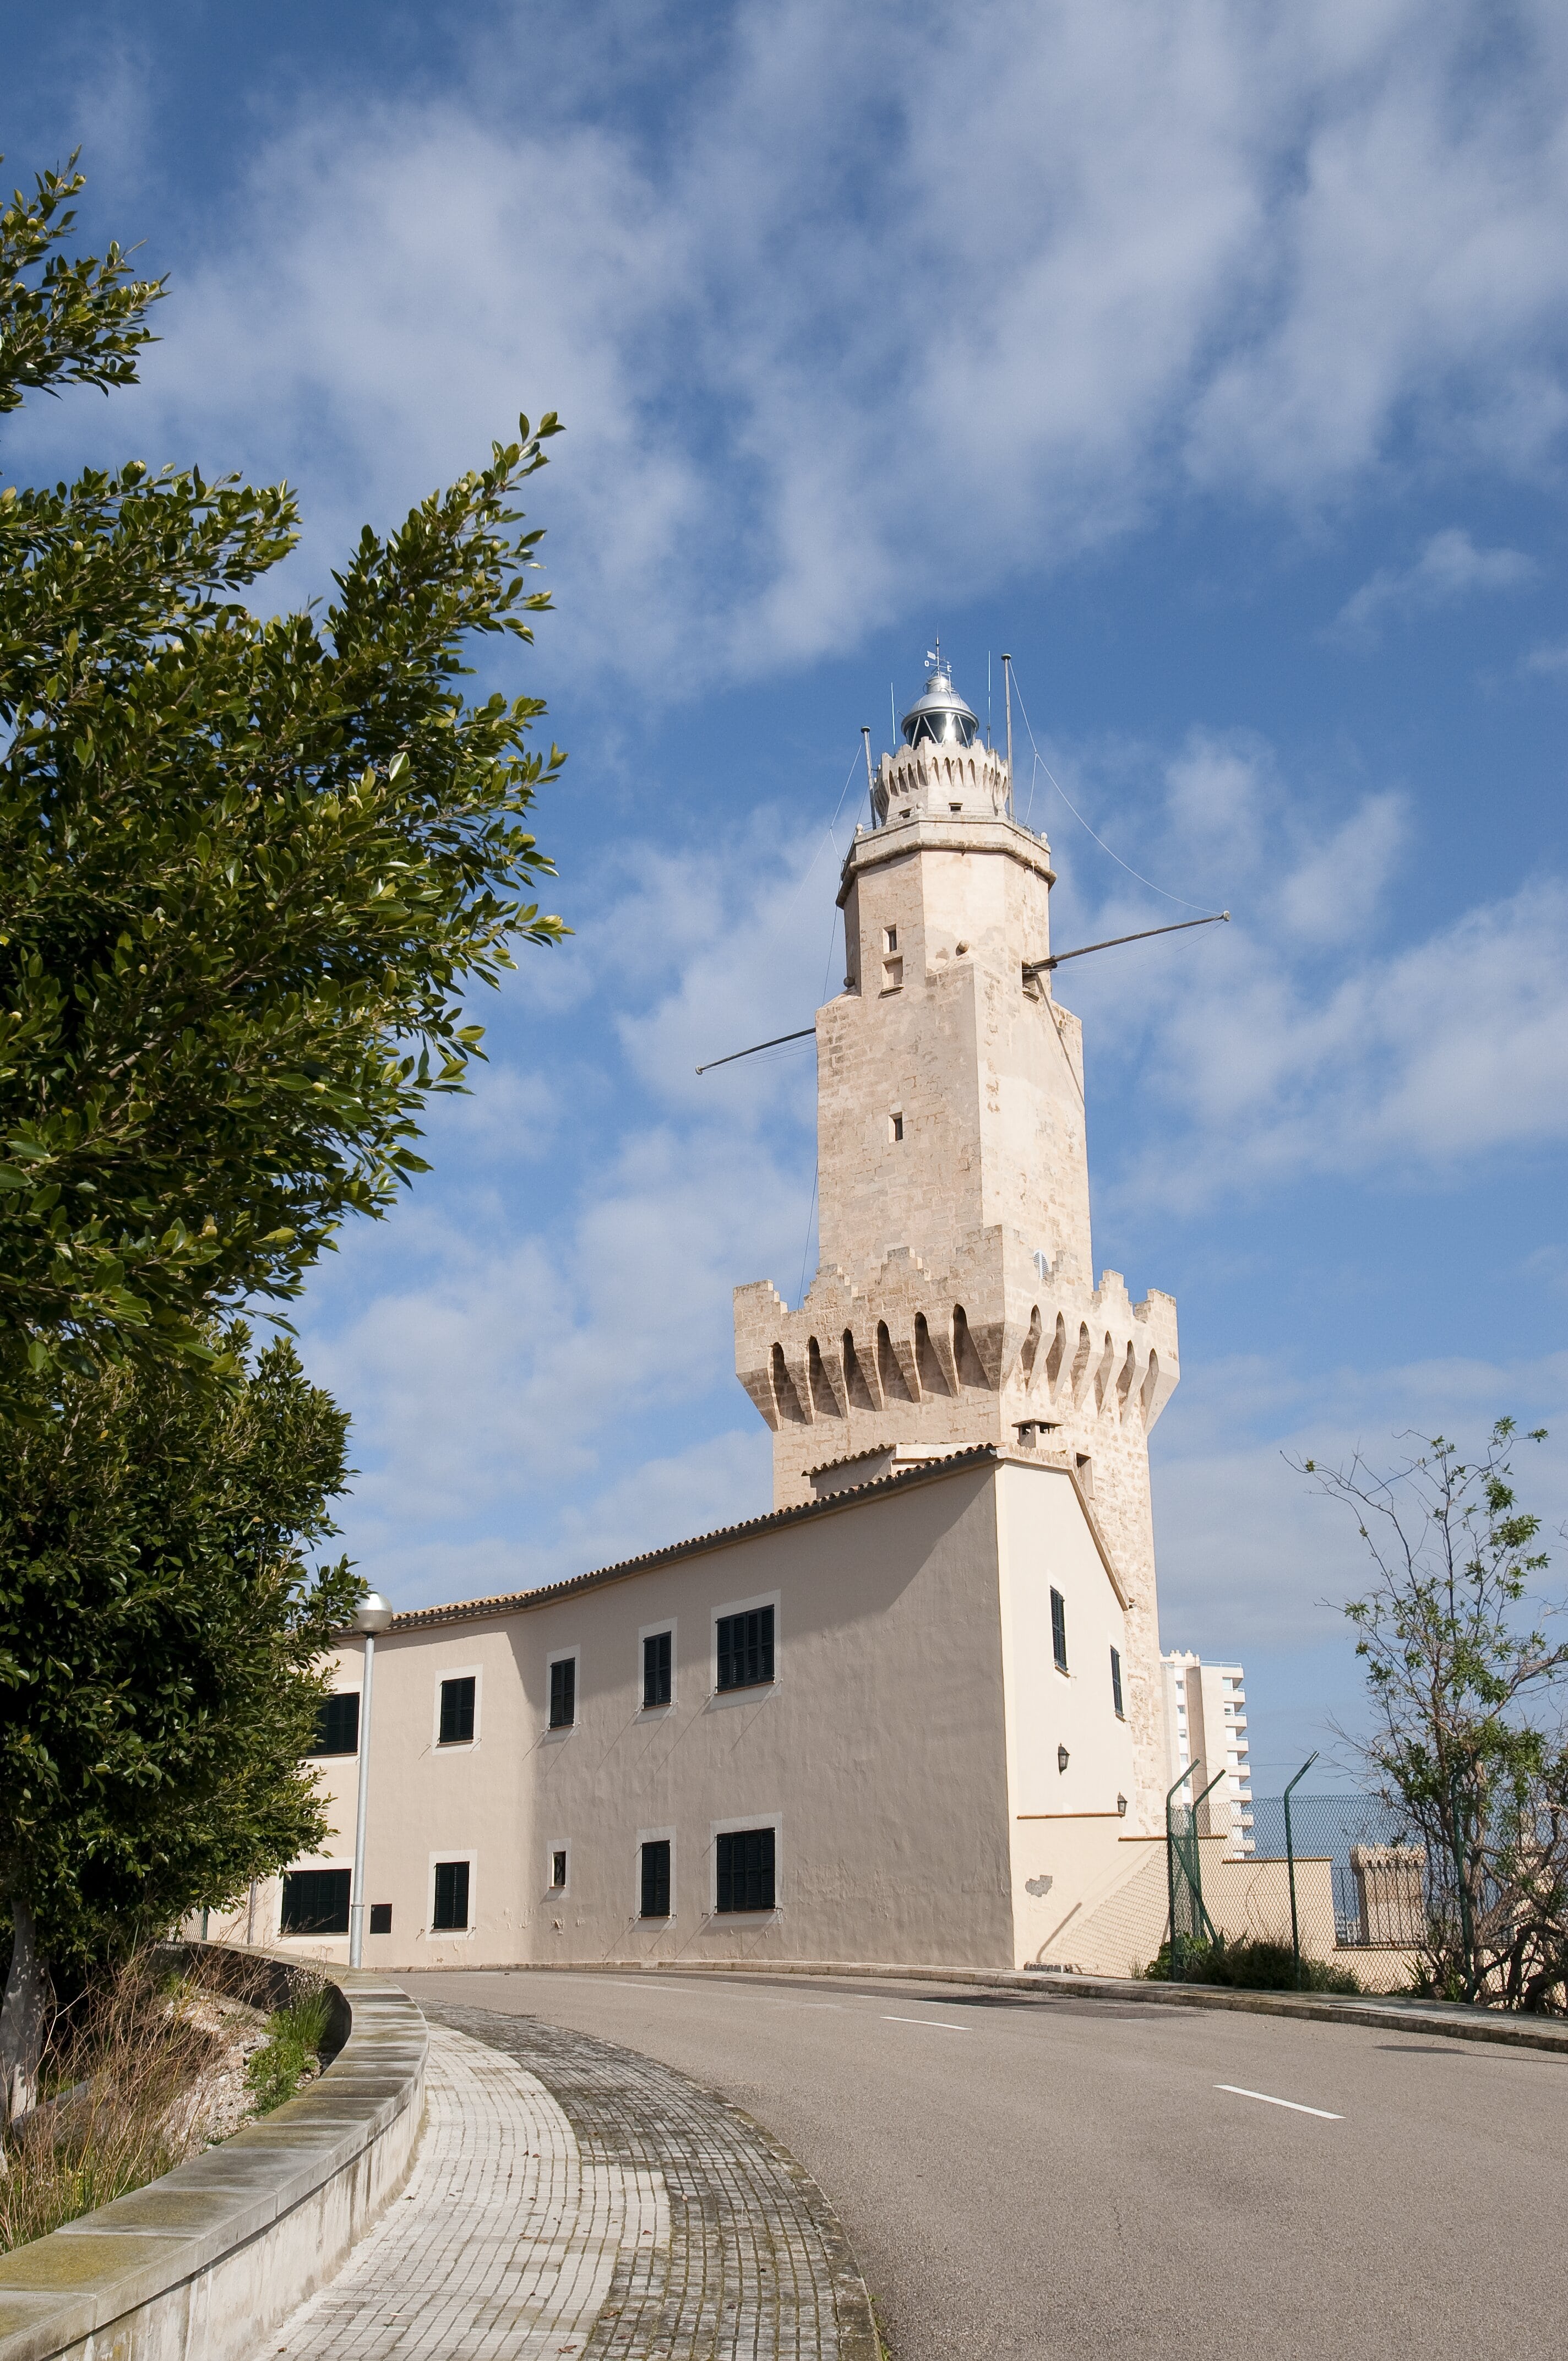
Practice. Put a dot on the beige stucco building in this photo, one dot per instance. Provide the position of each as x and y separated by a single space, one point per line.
915 1714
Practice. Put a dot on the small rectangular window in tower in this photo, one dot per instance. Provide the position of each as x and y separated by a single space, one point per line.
558 1870
893 975
896 1125
889 938
563 1693
1059 1629
457 1712
656 1669
1117 1683
656 1878
450 1915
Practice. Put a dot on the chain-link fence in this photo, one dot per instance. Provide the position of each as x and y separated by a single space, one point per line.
1377 1886
1331 1889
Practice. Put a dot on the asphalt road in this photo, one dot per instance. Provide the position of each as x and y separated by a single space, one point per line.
1043 2177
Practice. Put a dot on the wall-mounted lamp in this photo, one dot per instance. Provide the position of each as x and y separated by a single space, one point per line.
1063 1758
1120 1807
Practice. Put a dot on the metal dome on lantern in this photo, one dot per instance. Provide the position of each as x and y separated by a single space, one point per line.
938 715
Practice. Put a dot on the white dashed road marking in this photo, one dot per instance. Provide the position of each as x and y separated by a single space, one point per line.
1294 2104
937 2024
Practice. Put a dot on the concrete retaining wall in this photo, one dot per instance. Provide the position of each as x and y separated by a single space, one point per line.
200 2265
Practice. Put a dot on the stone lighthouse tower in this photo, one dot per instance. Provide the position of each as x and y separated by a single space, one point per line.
954 1303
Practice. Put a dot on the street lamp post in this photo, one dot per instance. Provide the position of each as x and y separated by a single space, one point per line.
373 1616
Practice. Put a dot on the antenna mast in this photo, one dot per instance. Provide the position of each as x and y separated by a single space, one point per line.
1007 686
870 793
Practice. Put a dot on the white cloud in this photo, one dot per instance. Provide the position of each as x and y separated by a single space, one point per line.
520 1385
1449 569
502 1361
1552 661
857 308
1303 1039
635 1506
1252 1556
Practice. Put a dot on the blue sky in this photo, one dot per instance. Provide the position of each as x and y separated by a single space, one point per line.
1214 361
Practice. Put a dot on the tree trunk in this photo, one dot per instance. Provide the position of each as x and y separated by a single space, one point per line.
21 2018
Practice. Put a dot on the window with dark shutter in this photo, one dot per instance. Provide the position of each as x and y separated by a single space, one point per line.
315 1902
457 1712
563 1693
656 1878
558 1870
656 1669
451 1913
746 1870
746 1649
337 1724
1117 1683
1059 1629
381 1917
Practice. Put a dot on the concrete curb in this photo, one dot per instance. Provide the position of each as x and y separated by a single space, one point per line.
1456 2020
199 2266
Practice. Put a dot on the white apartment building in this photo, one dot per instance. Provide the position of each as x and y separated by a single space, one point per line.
1206 1726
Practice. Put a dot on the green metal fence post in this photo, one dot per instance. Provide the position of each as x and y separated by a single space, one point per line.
1291 1870
1171 1868
1461 1812
1201 1913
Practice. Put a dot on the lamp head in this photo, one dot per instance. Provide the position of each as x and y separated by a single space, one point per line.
1063 1758
372 1615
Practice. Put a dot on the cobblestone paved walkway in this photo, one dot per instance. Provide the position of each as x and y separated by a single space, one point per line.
573 2199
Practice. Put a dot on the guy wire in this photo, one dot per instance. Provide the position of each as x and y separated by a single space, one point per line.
1163 891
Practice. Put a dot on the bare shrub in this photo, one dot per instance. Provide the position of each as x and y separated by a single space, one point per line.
125 2071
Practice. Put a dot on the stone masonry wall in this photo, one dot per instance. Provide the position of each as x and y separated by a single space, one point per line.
955 1301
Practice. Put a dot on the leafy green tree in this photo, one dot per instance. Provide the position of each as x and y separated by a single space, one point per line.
64 322
248 867
161 1644
1468 1745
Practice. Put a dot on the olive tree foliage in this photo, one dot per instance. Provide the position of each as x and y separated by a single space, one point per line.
1468 1746
161 1643
247 865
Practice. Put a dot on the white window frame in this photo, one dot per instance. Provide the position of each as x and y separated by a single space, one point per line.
652 1632
474 1673
759 1689
553 1846
559 1656
735 1826
663 1835
432 1933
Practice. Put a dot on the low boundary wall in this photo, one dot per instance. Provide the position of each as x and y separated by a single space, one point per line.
200 2265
